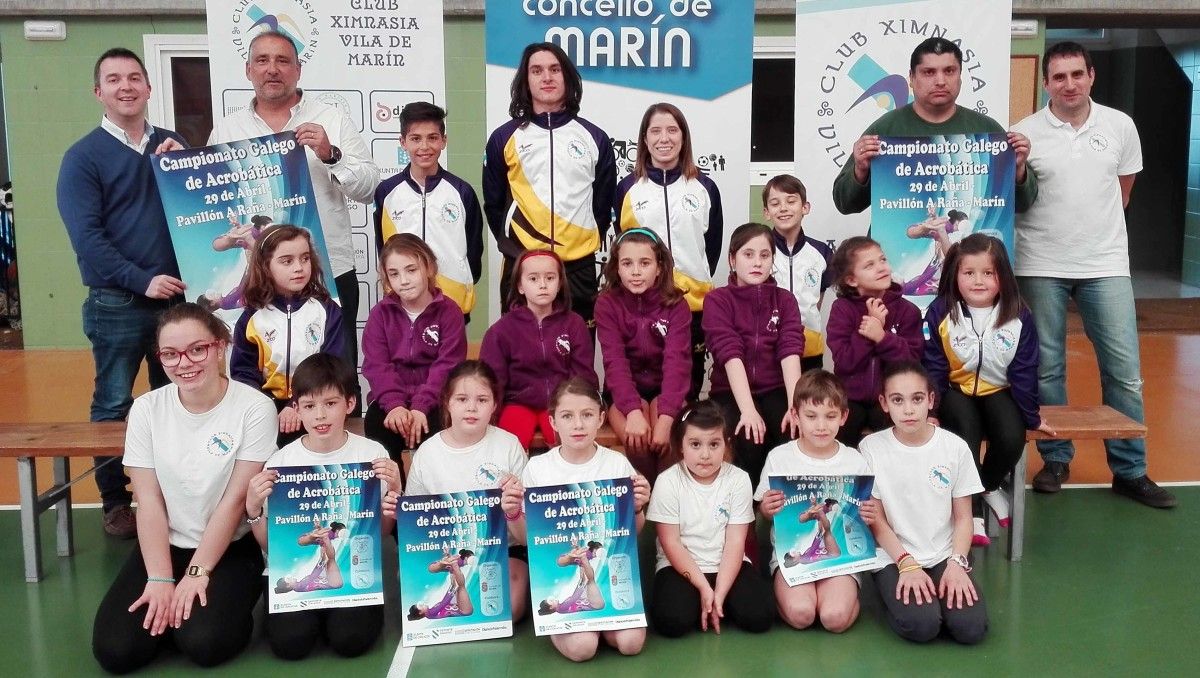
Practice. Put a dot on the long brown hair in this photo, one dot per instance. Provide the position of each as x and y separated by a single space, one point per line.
687 165
667 290
1009 303
411 245
561 301
260 288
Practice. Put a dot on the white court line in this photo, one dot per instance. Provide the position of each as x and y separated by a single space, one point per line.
401 662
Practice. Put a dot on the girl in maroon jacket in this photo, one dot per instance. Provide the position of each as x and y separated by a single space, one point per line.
538 344
754 332
414 337
643 324
870 325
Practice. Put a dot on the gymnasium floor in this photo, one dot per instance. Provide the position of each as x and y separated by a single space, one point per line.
1107 586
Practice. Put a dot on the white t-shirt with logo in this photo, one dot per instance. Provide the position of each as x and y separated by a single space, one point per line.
356 450
1076 227
551 469
917 485
788 460
193 455
701 511
439 468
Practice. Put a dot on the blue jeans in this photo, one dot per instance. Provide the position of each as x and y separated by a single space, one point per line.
121 326
1106 306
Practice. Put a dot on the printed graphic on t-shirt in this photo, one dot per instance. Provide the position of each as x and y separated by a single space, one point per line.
939 477
220 444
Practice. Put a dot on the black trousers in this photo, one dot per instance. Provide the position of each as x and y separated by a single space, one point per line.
676 609
582 284
862 416
347 289
749 456
350 631
923 623
995 418
699 356
214 634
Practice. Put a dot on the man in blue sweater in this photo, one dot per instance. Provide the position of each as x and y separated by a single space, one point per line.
110 205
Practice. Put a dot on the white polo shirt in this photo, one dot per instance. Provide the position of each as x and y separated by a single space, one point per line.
702 512
1076 227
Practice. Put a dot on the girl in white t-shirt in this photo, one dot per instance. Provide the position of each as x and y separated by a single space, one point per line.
472 454
703 510
576 413
822 406
920 514
191 447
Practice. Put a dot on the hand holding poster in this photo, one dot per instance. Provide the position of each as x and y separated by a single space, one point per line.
453 567
323 538
819 533
218 200
928 193
583 558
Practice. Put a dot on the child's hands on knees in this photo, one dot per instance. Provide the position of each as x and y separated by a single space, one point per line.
917 585
772 503
258 490
660 439
790 426
388 470
752 424
418 426
396 420
512 494
710 608
289 420
956 587
637 432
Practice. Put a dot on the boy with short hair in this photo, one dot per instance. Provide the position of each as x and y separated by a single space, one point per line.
801 262
323 392
821 406
429 201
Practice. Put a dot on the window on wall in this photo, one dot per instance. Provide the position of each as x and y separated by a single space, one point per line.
772 108
181 98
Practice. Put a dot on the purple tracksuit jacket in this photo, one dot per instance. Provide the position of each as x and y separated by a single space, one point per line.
857 360
531 358
646 348
759 324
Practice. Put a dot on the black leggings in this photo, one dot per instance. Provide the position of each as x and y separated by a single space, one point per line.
214 634
995 418
393 442
922 623
699 356
863 415
348 292
350 631
676 608
772 406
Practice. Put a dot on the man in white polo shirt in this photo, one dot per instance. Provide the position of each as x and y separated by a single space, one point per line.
1072 243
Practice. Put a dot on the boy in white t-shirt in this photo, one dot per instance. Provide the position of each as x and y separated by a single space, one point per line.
323 391
924 480
821 405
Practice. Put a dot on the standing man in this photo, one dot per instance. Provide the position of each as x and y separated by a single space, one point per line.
338 159
935 74
1072 244
549 175
109 202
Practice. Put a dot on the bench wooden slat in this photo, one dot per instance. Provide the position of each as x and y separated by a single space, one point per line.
1087 422
75 439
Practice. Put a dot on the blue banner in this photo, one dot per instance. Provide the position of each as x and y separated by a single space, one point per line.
323 538
819 532
218 199
583 557
453 568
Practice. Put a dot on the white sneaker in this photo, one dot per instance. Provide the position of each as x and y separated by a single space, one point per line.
997 500
979 535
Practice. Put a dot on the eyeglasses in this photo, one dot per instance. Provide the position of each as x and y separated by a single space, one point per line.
196 353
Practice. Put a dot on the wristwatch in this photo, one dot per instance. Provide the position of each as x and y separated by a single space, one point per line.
197 571
961 561
335 156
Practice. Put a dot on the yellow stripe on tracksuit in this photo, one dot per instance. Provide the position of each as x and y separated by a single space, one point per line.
571 241
694 290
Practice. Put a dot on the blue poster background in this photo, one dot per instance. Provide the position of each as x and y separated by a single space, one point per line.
930 192
596 521
211 196
309 497
801 547
431 528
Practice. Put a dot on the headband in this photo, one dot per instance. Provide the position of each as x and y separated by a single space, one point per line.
529 254
644 231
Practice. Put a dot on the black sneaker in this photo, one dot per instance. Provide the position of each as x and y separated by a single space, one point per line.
1050 479
1144 490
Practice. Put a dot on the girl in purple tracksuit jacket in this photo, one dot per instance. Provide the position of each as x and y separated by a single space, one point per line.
870 325
754 332
981 350
537 345
644 326
414 337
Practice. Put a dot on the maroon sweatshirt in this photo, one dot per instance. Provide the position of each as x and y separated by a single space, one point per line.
532 358
406 362
857 360
759 324
646 348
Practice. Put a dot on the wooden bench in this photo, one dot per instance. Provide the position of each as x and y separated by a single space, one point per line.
1070 422
60 442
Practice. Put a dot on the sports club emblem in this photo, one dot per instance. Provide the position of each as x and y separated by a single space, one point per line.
295 19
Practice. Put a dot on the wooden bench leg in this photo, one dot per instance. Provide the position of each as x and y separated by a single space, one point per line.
62 509
31 537
1016 529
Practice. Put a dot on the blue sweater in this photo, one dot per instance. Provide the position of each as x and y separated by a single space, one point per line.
110 205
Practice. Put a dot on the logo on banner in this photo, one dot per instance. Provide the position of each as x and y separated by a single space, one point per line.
295 19
336 101
866 75
625 151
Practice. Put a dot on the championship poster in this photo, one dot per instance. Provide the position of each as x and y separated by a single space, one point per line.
218 200
323 538
819 532
928 193
583 557
453 568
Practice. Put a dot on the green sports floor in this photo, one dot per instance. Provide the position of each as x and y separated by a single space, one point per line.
1107 588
